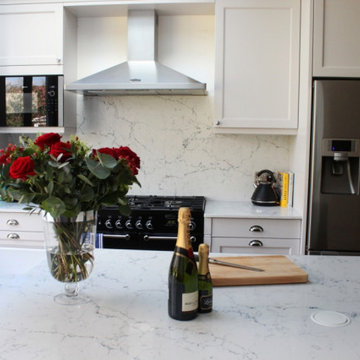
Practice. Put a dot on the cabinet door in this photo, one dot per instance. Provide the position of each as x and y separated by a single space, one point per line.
336 38
255 246
30 35
257 64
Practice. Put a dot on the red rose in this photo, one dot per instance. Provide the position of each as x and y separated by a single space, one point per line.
61 148
5 154
21 168
47 140
106 150
124 152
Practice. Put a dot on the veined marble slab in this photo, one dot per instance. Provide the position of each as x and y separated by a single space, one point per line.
127 317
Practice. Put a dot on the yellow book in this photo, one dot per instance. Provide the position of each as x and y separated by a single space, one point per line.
284 189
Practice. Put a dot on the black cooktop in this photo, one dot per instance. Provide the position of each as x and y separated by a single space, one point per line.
154 202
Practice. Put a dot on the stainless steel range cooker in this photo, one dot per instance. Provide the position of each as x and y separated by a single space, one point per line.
152 224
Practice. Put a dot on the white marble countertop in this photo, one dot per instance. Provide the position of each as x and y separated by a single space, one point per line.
11 206
246 209
127 317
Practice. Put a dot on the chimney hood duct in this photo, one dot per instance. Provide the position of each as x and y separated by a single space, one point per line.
141 74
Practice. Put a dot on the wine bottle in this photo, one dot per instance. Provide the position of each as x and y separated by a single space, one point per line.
183 274
204 279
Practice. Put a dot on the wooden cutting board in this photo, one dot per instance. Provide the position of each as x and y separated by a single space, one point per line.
278 269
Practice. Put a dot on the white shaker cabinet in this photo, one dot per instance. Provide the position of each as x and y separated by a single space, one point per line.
255 236
336 38
241 227
257 66
20 228
31 40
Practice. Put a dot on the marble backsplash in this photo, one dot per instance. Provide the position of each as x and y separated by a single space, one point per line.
179 150
180 153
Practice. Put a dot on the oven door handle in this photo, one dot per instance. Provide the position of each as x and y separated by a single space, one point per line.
150 237
116 236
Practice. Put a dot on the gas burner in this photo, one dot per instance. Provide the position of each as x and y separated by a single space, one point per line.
173 203
165 202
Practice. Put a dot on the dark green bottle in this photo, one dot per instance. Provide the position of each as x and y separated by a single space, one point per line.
183 274
205 283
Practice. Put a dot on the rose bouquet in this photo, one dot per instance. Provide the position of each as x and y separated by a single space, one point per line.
67 180
64 178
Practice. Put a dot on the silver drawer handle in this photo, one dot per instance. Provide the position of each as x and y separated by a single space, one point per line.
12 222
255 243
256 228
13 236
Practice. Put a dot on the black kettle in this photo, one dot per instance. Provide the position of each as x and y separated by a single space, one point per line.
265 194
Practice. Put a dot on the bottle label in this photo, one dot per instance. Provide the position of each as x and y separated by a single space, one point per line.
190 301
205 300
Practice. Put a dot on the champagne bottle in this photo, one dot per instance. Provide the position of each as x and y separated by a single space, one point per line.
183 274
205 283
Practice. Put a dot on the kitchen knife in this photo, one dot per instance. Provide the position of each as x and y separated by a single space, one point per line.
225 263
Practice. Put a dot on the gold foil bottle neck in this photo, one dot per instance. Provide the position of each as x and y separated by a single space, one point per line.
203 259
184 215
183 237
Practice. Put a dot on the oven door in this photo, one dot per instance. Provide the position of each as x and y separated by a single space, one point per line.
165 241
120 241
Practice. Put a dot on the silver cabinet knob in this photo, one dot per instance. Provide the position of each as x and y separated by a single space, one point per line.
12 222
256 228
255 243
13 236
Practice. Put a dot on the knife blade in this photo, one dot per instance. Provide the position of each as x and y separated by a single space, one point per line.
225 263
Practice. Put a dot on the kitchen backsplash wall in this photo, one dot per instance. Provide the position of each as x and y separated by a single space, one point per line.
173 135
180 154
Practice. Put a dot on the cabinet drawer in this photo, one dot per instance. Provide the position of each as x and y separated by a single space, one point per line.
243 246
257 228
31 239
21 222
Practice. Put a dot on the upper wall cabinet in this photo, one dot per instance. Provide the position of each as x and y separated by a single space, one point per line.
31 40
257 66
336 38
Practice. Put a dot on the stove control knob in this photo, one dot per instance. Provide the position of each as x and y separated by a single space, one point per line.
149 225
128 224
108 224
193 239
139 225
192 226
118 224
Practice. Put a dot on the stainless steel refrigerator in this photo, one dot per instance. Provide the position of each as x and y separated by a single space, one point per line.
334 200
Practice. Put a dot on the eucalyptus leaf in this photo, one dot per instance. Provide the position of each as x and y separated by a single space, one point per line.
54 206
50 187
124 210
85 179
97 169
88 195
107 160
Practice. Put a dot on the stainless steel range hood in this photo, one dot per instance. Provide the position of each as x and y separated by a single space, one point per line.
141 74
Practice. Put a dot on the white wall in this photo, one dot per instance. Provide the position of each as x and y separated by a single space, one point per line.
173 135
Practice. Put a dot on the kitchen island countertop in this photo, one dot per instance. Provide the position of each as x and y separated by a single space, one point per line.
127 316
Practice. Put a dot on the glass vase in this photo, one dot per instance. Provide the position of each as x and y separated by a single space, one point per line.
70 244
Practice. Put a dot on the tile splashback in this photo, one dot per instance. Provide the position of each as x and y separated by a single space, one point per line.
180 154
